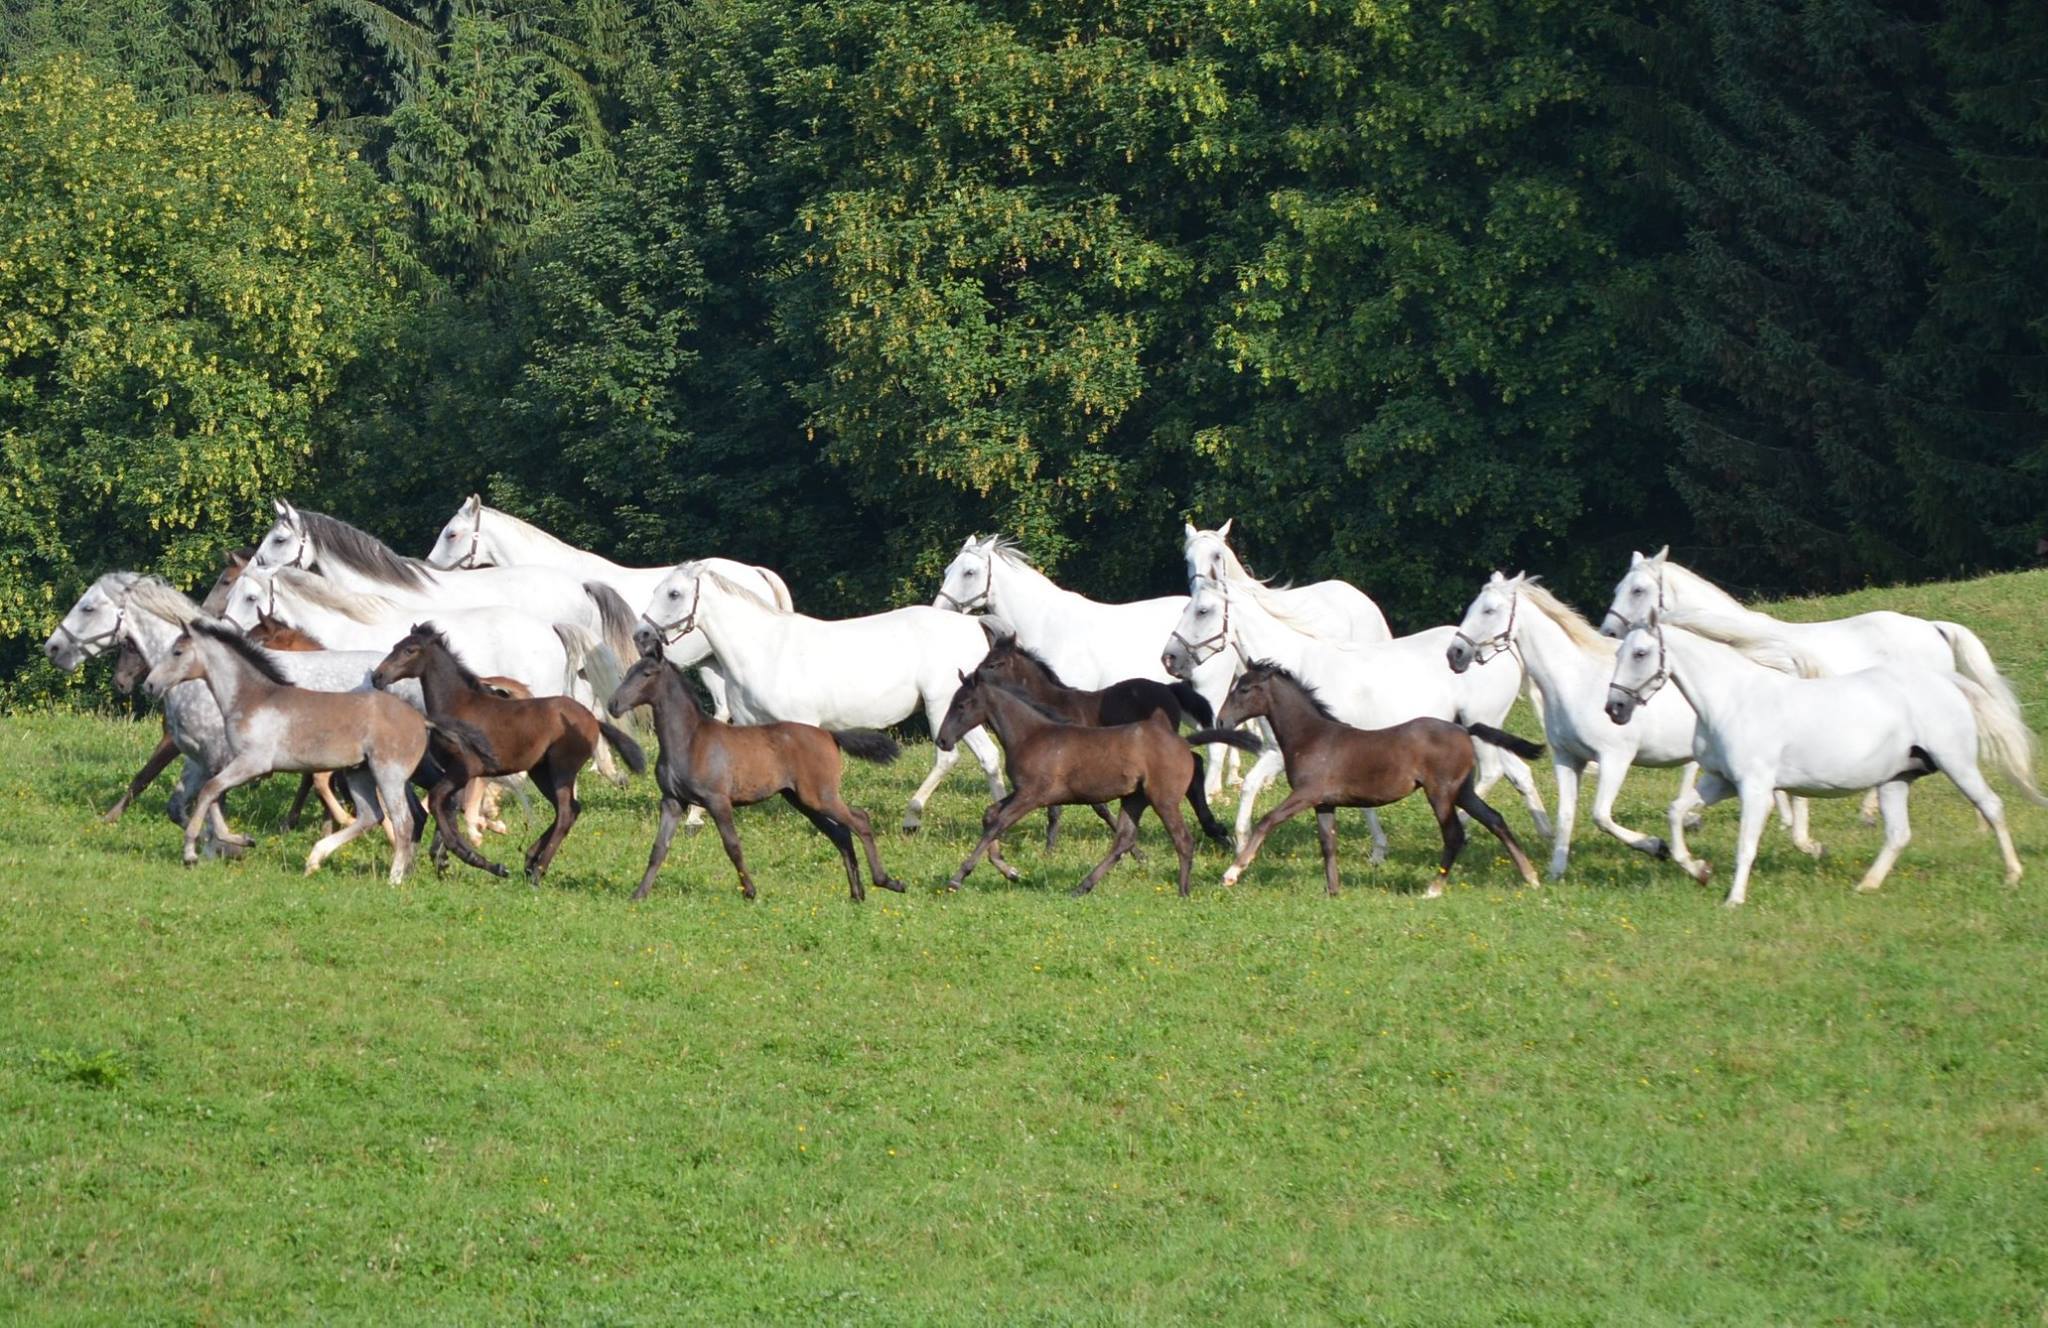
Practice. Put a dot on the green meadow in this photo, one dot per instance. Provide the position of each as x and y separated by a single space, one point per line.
235 1093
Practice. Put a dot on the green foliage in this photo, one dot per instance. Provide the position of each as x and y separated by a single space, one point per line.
178 295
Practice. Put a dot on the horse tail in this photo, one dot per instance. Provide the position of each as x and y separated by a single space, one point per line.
592 660
1974 662
867 745
615 618
1193 703
467 737
1494 737
1237 738
622 743
2003 735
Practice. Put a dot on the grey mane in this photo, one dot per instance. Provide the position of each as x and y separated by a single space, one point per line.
365 553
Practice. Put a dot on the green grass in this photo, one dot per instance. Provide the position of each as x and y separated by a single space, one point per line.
235 1093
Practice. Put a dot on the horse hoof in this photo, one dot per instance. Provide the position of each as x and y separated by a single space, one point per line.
1080 890
1866 888
952 887
495 870
891 883
1011 874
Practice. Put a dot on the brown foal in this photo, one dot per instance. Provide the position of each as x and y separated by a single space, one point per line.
548 739
1331 764
720 766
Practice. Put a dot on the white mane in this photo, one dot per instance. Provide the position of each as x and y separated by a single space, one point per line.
528 530
1716 599
1759 645
159 599
323 593
726 583
1573 623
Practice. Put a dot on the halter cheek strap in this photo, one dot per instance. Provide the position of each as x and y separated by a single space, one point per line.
476 540
98 641
1501 643
1650 686
1217 639
678 629
988 589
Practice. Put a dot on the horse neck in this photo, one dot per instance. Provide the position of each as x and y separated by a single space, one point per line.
1690 590
1028 600
331 627
512 542
1262 636
152 635
1551 654
1714 679
1293 716
1011 716
676 716
441 682
234 682
740 630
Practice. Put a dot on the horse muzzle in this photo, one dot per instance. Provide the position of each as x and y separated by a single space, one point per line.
1613 626
1176 662
1459 656
1621 706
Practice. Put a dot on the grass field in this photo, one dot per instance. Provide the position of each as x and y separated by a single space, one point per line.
233 1093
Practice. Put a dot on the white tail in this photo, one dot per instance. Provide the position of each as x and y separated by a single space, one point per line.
1973 661
589 660
2003 735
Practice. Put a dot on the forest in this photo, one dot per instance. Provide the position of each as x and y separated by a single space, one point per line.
1411 291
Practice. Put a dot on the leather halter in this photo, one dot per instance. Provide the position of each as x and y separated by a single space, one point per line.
1219 638
476 539
981 601
1623 621
98 641
1502 643
1650 686
680 628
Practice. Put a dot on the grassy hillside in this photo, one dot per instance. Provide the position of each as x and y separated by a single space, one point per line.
233 1092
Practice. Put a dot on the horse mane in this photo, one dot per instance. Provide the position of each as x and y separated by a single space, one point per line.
1278 608
1758 645
318 590
215 630
525 527
1233 565
1011 645
365 553
1010 551
1581 633
725 582
1718 599
160 599
428 634
1268 670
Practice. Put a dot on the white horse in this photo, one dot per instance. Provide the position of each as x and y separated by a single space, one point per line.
1571 664
1370 686
852 673
546 657
1088 643
479 536
149 613
1761 728
1337 610
358 562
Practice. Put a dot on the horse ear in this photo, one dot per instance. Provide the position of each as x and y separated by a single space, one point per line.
1497 578
280 506
1635 558
1188 530
963 675
1224 529
1662 554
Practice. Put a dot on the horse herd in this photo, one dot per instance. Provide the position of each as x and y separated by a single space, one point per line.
323 651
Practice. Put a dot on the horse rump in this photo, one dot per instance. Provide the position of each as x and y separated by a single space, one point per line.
1494 737
867 745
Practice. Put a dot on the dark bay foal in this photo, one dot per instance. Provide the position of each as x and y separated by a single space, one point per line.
1126 702
548 739
1143 764
718 766
1331 764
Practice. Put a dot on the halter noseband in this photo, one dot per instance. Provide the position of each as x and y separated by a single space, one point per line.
1219 638
92 645
680 628
988 590
1611 613
1502 643
1650 686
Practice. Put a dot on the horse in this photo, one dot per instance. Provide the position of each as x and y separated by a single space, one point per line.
1367 686
1838 645
1769 718
851 673
709 763
1570 664
479 536
1336 610
549 739
1331 764
273 725
1090 643
359 562
1050 762
1012 665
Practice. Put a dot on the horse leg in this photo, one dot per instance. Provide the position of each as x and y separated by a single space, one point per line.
236 772
1126 836
841 837
1476 808
1871 805
721 816
1567 773
1450 823
853 818
472 811
714 686
1688 779
448 836
1898 832
1802 808
1269 764
1326 831
1607 788
1990 807
1169 812
1709 789
567 808
913 815
1291 805
394 808
323 785
328 845
1052 823
291 815
1756 809
1379 838
998 818
154 766
1517 772
671 812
